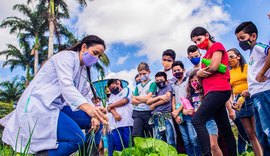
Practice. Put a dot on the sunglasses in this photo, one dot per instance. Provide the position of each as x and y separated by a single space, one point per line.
232 56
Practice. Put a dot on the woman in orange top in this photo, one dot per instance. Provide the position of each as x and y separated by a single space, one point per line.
239 84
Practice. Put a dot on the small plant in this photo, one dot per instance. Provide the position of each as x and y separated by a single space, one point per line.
149 147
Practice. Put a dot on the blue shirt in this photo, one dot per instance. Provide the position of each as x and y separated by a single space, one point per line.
166 107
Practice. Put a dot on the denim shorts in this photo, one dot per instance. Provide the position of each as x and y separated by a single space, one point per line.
212 127
247 109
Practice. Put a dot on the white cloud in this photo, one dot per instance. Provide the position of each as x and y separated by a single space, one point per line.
7 11
122 60
155 25
127 75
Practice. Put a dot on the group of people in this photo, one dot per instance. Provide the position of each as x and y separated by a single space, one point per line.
193 106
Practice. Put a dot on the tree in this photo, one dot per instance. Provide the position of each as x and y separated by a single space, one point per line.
54 7
16 57
33 27
11 90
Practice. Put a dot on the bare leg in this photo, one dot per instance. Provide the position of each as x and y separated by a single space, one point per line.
249 124
216 151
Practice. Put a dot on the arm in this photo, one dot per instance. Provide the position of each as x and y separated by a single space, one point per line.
261 77
215 62
153 100
135 101
229 108
119 103
161 101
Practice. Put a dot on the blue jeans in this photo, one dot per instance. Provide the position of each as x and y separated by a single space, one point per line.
69 131
189 136
115 137
261 103
168 135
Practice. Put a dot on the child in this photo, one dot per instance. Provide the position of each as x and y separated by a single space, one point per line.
179 91
168 58
194 55
217 91
162 108
120 129
258 79
142 113
195 94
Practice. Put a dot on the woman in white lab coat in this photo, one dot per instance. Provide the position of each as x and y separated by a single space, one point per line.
62 81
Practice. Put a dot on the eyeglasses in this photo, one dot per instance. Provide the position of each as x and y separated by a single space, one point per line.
232 56
167 60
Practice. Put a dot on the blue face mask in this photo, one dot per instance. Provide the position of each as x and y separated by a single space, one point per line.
195 60
88 59
144 77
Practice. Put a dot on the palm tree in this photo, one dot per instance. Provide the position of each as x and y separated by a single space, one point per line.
16 57
54 7
32 28
11 90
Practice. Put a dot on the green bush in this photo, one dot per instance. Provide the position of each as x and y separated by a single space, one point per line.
5 108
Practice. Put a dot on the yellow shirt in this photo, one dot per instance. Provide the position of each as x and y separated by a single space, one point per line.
239 79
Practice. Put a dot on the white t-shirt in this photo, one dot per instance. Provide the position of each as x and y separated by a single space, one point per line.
125 111
256 61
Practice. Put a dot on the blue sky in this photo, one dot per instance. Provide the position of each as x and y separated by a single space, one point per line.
140 30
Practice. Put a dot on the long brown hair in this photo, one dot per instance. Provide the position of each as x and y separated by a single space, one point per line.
89 40
190 89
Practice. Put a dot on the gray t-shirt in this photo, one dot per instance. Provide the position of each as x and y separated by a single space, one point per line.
166 107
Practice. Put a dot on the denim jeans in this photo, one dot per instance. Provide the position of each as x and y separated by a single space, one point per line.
118 139
69 136
69 132
168 134
261 103
189 136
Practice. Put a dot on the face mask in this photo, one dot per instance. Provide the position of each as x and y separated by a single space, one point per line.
204 44
160 84
138 82
115 91
144 77
245 45
108 95
195 60
195 85
167 65
178 75
88 59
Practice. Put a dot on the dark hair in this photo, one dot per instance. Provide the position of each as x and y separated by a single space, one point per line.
112 81
169 52
192 49
198 31
158 74
242 59
89 41
178 63
247 27
190 89
143 66
137 75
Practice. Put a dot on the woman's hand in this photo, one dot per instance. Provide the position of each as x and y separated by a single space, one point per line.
231 114
175 113
95 123
95 112
245 93
261 77
203 72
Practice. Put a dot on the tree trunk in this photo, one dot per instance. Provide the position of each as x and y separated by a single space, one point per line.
36 62
27 76
51 28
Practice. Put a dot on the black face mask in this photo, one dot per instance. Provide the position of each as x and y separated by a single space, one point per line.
108 95
245 45
161 84
115 91
178 75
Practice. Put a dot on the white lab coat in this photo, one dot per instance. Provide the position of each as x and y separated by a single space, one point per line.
61 81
